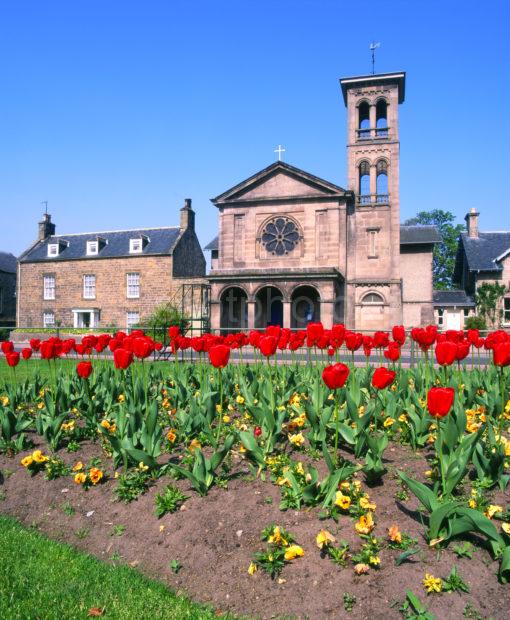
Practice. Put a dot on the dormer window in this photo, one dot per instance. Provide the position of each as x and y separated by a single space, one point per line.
53 249
92 248
135 246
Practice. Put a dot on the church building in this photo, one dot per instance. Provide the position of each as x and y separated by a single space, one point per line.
294 248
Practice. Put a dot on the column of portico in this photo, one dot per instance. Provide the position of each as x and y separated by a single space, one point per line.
251 314
287 307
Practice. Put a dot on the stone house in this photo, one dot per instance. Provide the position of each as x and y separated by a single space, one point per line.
293 247
7 289
112 279
484 257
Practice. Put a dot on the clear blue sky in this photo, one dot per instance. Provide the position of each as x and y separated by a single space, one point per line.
115 111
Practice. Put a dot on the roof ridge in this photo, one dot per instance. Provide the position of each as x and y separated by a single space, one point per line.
122 230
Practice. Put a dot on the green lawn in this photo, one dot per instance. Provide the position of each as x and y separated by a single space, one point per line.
27 369
40 578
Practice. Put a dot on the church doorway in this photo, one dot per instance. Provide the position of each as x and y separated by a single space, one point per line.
305 307
234 310
268 307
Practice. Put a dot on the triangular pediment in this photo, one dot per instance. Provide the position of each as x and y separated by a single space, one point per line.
279 181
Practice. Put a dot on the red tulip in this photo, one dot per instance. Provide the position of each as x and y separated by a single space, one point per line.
142 347
26 353
314 332
501 354
35 343
48 350
353 341
383 377
440 401
392 353
12 358
219 355
267 345
473 335
122 358
84 369
463 349
446 353
7 347
257 431
335 376
399 334
174 331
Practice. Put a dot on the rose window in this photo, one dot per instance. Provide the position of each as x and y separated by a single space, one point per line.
280 236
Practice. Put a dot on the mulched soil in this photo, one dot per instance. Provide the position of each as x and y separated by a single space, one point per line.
214 539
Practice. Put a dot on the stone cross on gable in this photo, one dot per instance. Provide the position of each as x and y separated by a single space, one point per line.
279 150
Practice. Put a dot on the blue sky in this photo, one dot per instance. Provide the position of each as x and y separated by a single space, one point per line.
115 111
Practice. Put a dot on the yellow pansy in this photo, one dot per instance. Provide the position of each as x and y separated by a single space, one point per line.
365 503
343 501
39 457
492 510
27 461
323 539
365 524
80 478
297 439
294 551
252 568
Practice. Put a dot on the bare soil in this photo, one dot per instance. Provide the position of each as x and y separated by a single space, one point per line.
215 537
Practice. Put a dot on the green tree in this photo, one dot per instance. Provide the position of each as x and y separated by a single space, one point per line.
445 252
488 302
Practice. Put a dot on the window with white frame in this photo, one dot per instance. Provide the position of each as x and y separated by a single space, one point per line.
506 311
89 287
135 246
132 318
49 287
53 249
440 317
92 248
133 285
48 319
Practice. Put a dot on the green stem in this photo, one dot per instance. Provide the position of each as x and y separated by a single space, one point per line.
440 454
502 383
220 408
337 424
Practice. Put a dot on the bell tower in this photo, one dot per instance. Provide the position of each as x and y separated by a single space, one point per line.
374 290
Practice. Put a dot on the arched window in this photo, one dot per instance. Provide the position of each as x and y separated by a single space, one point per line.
381 119
364 120
364 183
373 299
382 182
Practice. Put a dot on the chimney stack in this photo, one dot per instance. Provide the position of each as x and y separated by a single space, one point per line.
187 216
46 227
472 223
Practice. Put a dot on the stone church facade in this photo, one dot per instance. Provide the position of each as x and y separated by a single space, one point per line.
292 247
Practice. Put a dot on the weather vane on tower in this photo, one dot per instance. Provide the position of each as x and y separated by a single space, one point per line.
373 46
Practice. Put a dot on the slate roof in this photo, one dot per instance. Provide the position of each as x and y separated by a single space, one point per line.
213 245
74 247
453 298
7 262
482 251
410 235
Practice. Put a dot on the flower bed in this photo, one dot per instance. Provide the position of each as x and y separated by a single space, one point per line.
386 485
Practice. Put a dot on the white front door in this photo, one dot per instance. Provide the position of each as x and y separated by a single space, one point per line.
453 319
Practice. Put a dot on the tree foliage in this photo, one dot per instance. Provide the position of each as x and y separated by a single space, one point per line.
488 302
445 252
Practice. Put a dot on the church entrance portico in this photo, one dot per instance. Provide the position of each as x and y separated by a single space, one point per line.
256 300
